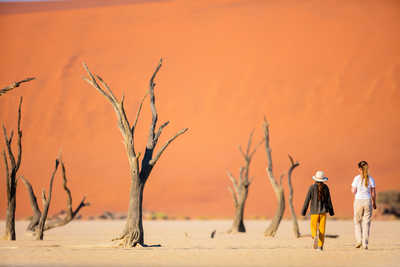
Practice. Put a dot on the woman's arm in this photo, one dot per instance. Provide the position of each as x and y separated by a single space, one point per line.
373 197
353 189
354 185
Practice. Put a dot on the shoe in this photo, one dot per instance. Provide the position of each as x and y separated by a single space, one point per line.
358 245
365 247
320 248
315 245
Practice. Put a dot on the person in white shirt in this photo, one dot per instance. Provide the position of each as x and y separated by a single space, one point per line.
363 187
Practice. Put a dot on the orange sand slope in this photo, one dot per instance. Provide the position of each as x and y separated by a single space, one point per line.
326 74
41 6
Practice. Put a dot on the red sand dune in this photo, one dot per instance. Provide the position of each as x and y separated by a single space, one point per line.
325 73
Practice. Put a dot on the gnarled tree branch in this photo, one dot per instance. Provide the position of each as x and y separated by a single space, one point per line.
50 224
14 85
278 189
293 165
46 205
158 155
71 214
35 208
138 113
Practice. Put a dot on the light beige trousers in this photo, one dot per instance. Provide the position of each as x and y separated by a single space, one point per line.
362 220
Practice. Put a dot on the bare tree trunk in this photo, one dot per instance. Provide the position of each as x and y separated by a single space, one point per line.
36 211
240 188
46 205
10 217
71 214
238 224
133 233
14 85
239 194
11 174
273 227
278 189
294 218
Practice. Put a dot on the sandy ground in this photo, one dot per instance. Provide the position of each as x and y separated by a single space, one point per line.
188 243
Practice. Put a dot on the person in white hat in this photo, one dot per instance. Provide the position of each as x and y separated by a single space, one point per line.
320 198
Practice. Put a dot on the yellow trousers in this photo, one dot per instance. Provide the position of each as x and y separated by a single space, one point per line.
318 221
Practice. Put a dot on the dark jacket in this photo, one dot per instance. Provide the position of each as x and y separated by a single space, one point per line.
318 206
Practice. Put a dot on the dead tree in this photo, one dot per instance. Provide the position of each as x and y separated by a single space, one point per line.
133 233
240 187
278 188
35 208
71 214
14 85
46 205
293 165
11 174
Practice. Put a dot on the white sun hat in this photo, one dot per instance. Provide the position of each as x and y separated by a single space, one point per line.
320 177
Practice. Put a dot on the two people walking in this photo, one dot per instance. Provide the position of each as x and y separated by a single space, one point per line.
319 200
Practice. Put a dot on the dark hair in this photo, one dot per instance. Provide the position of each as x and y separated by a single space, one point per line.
362 164
320 186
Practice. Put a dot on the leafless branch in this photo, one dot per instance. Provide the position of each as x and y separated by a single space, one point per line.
9 150
160 131
233 196
138 112
69 197
46 205
14 85
70 213
281 178
234 182
242 175
256 147
293 165
35 208
291 160
92 81
278 189
19 145
151 139
268 150
122 119
110 92
249 143
155 159
32 196
7 174
241 152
